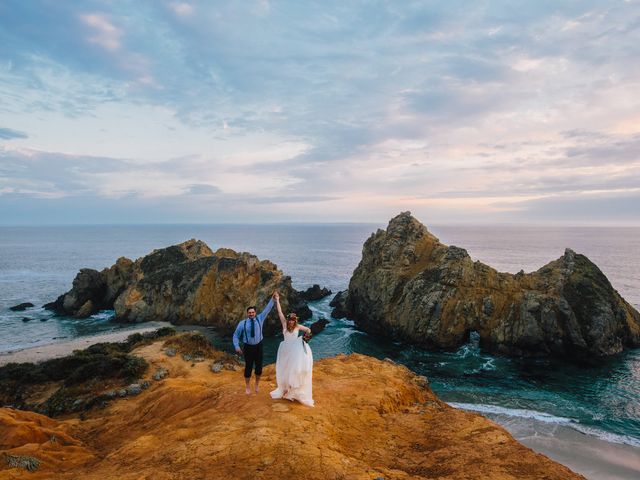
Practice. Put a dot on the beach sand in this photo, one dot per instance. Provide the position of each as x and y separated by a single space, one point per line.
589 455
56 350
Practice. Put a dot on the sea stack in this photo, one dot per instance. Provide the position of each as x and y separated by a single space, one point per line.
409 286
183 284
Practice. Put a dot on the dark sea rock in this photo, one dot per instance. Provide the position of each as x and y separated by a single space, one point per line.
314 293
183 284
339 305
410 286
26 319
21 307
317 326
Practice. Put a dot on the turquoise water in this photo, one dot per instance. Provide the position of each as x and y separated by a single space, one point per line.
37 264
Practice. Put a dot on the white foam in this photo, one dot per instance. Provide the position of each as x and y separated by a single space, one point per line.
548 418
607 436
512 412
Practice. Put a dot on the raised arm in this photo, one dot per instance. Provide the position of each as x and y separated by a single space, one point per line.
304 329
283 320
263 314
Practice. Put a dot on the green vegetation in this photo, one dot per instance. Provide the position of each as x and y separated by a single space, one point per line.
77 379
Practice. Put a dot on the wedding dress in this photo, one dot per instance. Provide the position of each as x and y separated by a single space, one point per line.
294 365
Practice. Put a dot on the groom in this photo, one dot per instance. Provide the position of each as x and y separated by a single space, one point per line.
250 331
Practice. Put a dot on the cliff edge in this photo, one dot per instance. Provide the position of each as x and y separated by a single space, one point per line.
373 419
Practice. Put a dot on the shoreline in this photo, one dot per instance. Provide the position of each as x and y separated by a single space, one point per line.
591 456
60 349
586 454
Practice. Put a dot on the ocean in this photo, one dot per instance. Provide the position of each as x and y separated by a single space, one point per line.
39 263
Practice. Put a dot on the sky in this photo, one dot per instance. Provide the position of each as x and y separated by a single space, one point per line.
483 112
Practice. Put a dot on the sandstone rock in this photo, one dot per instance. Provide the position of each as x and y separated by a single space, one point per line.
372 420
410 286
183 284
21 307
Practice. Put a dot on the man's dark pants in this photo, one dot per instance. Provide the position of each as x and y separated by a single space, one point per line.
252 355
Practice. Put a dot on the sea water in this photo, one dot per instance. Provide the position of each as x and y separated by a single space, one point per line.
39 263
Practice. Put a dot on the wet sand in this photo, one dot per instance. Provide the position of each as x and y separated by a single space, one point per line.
589 455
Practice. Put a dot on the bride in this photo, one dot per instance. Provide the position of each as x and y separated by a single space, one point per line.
294 362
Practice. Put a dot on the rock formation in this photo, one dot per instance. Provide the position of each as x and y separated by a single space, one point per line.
183 284
314 293
410 286
21 307
373 419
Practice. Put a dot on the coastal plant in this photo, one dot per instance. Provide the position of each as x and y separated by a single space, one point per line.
80 378
30 464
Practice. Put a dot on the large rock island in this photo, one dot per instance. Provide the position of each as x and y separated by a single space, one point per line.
410 286
183 284
373 419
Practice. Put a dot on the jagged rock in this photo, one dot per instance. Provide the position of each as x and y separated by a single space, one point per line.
21 307
134 389
314 293
85 298
160 374
216 367
339 306
410 286
317 326
183 284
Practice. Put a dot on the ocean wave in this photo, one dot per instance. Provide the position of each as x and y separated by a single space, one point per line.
548 418
607 436
513 412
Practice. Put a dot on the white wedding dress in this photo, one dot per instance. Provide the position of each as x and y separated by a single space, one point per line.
294 368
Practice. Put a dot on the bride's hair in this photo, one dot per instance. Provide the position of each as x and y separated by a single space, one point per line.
292 316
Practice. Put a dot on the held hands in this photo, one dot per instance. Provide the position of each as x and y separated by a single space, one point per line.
276 296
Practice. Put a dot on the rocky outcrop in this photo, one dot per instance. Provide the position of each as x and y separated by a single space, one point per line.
21 307
410 286
314 293
373 419
184 284
317 326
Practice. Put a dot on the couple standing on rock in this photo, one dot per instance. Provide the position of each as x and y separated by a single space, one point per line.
294 362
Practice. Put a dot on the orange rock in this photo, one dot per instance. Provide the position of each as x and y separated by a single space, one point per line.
372 419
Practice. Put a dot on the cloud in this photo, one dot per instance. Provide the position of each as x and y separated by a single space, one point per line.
9 134
182 8
358 107
104 33
204 189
